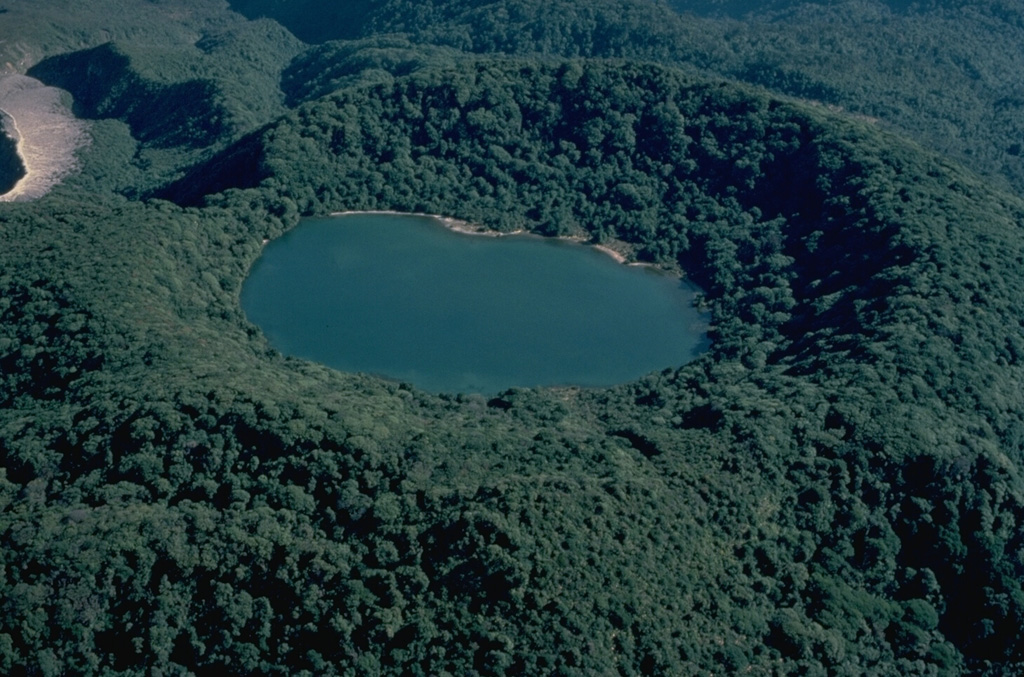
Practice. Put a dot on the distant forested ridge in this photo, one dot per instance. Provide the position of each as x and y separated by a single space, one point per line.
833 488
942 72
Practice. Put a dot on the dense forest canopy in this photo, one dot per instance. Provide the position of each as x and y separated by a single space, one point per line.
834 488
942 72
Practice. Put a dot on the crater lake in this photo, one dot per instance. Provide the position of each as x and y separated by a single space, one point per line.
404 297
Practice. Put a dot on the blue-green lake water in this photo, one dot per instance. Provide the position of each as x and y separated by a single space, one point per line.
406 298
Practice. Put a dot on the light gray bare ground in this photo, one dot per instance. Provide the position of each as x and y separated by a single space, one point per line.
46 132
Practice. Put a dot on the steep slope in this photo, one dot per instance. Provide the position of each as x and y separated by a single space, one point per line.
35 30
939 72
105 85
936 71
179 102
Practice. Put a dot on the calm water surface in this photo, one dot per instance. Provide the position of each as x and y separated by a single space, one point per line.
404 297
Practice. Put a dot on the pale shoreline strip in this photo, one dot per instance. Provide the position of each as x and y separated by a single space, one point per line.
467 228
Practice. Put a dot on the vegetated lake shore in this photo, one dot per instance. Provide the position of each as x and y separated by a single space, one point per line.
468 228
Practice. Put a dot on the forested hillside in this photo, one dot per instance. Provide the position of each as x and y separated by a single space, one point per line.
835 487
943 72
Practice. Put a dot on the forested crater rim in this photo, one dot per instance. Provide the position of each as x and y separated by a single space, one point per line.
744 191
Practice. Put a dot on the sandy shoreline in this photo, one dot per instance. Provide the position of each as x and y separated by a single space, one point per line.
449 222
468 228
